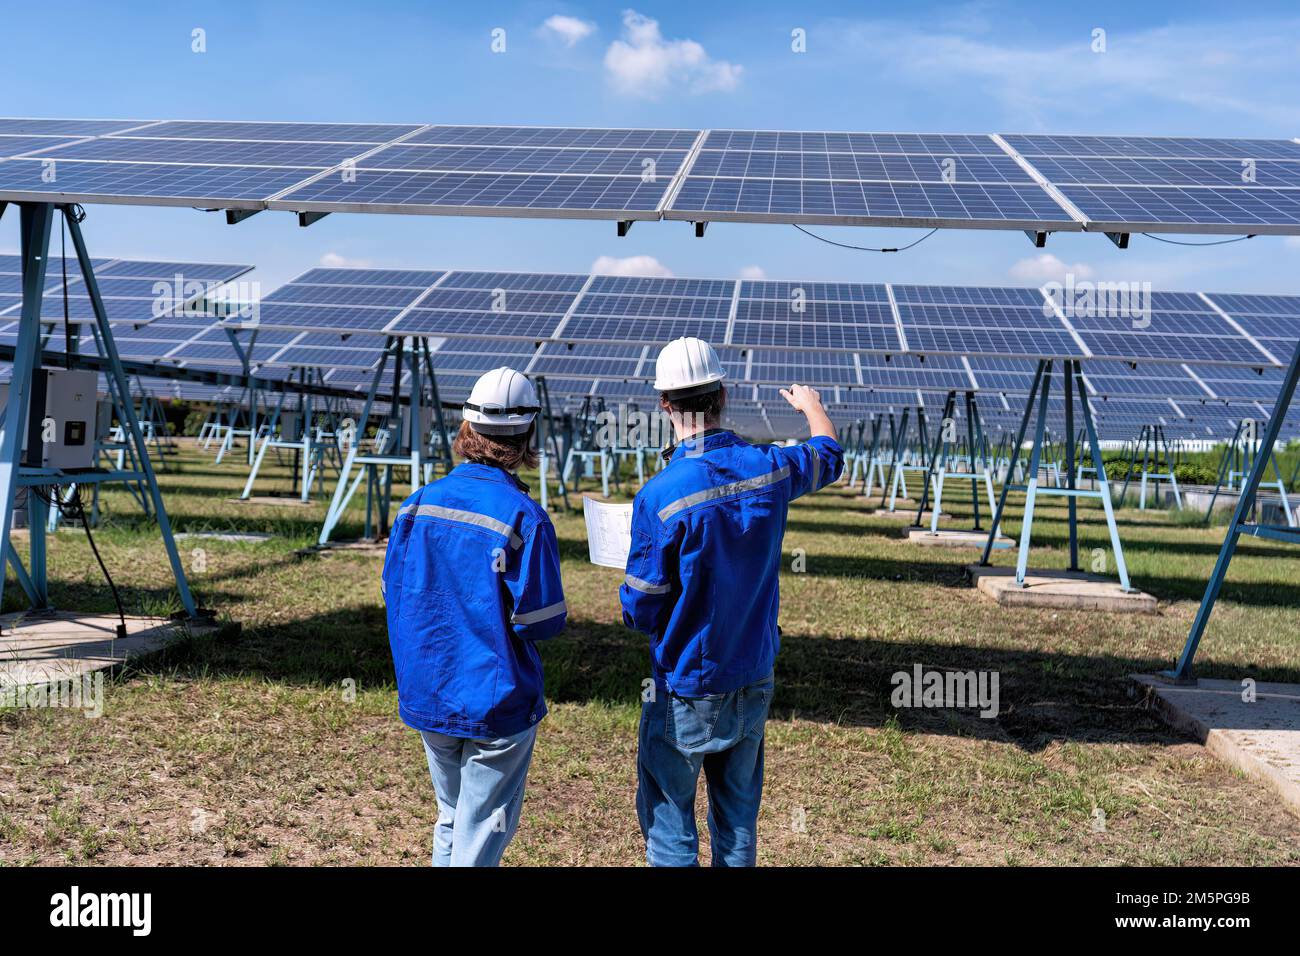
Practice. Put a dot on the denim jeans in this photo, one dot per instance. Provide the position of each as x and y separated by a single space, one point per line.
480 789
723 735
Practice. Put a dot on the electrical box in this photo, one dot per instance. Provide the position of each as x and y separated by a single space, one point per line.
62 420
103 419
71 405
426 422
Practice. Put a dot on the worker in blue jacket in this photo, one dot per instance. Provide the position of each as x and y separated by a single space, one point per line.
472 582
702 582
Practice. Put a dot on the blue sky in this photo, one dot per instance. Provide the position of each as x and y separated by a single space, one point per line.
1168 68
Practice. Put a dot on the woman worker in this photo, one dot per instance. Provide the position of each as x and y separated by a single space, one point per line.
472 580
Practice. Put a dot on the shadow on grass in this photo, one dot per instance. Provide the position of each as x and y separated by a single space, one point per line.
1044 696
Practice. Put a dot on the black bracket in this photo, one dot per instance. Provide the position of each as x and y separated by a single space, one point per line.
699 229
1119 238
623 226
1038 237
235 216
308 218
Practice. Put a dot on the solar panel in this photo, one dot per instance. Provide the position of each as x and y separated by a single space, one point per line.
407 278
620 174
1167 336
1235 384
1151 183
862 179
1273 321
933 373
134 292
992 373
964 325
52 178
1118 380
369 190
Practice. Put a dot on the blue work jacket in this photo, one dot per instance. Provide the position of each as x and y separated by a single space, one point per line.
471 580
702 573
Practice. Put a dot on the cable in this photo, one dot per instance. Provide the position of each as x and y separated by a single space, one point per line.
1217 242
844 245
67 325
75 509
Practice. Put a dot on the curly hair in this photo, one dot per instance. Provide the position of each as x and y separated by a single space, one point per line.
509 452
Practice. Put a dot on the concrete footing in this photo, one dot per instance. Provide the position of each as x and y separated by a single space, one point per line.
37 647
902 513
1260 737
948 538
1064 589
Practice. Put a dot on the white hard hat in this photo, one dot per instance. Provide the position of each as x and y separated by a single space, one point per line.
502 402
688 366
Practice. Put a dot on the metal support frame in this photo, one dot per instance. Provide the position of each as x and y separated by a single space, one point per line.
404 446
903 463
897 438
1182 670
588 450
1039 397
1238 458
36 220
979 469
1153 446
548 448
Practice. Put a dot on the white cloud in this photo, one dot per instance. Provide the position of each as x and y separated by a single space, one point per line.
1292 242
630 266
333 260
568 30
1194 64
754 273
644 64
1047 268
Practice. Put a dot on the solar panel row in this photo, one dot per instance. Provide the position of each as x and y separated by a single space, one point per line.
767 316
1100 183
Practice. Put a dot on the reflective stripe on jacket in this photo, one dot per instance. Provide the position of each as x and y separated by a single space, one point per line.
702 574
471 580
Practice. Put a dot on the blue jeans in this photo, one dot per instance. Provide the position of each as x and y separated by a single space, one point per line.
723 734
480 789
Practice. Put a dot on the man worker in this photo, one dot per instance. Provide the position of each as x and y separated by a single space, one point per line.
702 583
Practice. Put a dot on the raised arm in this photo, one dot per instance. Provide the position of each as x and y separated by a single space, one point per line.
807 401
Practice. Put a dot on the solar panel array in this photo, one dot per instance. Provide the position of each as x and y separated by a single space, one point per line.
832 326
863 344
1038 182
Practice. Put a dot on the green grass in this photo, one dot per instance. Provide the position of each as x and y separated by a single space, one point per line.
251 749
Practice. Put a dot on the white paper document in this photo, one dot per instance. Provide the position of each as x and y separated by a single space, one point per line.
609 532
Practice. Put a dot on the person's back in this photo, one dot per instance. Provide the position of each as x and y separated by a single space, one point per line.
719 509
471 581
458 558
702 582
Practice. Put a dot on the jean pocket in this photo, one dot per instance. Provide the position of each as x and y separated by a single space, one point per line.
692 721
756 701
